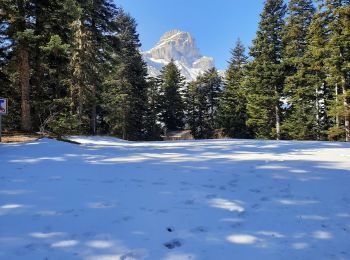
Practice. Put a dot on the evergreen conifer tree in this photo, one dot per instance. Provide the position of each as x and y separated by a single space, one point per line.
125 94
95 21
233 104
152 126
315 93
300 97
172 105
202 103
338 64
266 73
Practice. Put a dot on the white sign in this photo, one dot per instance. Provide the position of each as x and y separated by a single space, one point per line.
3 106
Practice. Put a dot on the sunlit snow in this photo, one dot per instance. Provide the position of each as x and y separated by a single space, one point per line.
211 199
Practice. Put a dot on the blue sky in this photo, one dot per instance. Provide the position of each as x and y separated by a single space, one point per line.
215 25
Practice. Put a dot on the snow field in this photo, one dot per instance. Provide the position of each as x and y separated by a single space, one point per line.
219 199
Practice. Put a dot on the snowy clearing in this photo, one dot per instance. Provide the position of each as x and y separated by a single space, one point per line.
220 199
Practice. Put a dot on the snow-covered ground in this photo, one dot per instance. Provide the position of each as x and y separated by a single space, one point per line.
224 199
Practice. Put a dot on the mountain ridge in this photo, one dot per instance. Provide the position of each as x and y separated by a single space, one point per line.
181 47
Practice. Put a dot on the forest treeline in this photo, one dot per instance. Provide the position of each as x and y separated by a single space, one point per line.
75 67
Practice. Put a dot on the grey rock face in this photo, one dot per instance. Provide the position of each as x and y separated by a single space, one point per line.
181 47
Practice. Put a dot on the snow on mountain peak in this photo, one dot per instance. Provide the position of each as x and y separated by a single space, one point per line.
181 47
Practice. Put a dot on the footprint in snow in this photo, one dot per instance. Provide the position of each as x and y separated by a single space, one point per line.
158 183
84 180
164 211
137 180
255 206
255 190
211 196
264 199
199 229
208 186
173 244
108 181
55 178
233 183
129 256
170 229
88 234
189 202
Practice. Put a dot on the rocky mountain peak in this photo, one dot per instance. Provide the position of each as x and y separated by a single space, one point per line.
181 47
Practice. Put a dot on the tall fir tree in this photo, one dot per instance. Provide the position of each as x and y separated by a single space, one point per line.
315 93
18 29
8 65
172 105
266 73
153 128
125 94
233 104
95 21
50 64
202 104
30 34
300 97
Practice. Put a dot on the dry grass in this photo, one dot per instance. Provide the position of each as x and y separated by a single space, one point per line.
19 138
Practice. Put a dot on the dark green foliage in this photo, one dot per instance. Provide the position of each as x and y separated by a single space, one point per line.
300 119
314 93
172 106
233 104
125 91
338 66
202 102
60 120
75 67
92 30
152 125
266 73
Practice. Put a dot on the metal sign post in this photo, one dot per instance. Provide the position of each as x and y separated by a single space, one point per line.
3 112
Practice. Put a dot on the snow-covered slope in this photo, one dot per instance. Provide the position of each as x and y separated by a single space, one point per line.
181 47
219 199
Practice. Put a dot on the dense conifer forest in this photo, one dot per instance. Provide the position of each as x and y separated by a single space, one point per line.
75 67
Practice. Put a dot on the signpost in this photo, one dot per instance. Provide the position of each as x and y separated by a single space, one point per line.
3 111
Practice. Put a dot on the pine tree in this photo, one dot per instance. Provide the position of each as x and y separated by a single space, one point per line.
50 58
300 96
19 33
34 57
125 94
338 63
266 73
202 104
153 129
172 107
233 104
315 93
192 113
213 88
95 21
8 79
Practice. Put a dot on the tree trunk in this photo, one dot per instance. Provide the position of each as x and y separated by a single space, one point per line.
23 71
278 122
336 101
23 62
278 116
78 81
347 115
317 105
93 111
347 128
